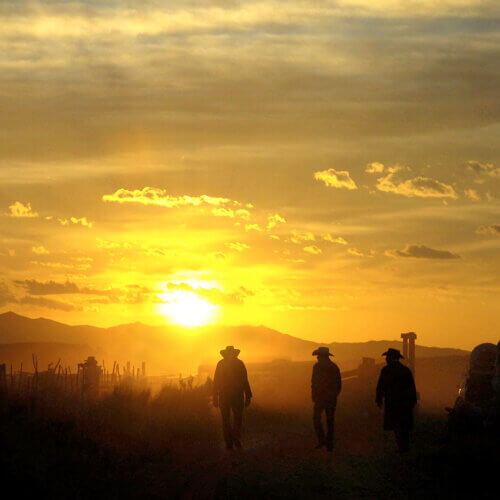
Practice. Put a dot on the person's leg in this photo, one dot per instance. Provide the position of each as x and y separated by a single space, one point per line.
225 411
330 422
237 408
318 426
402 440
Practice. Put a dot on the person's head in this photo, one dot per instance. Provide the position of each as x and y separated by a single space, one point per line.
392 356
322 353
230 352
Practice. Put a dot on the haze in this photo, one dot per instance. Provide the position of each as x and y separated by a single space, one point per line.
327 169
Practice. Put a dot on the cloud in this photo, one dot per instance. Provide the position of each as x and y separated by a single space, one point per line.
274 220
336 178
159 197
48 303
374 167
472 194
82 221
239 247
422 187
5 296
298 236
331 239
356 252
313 249
494 230
253 227
214 295
34 287
422 252
41 250
483 168
315 308
19 210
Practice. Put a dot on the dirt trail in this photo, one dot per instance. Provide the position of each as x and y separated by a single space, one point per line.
286 446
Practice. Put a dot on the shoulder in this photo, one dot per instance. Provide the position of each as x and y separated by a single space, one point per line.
335 366
404 369
220 363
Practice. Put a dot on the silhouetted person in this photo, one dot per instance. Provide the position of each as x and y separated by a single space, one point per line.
326 385
231 393
396 390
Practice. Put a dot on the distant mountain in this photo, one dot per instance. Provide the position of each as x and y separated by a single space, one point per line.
170 349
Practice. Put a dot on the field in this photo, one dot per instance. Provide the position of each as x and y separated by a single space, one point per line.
130 443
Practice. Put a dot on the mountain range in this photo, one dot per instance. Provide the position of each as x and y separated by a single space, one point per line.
170 349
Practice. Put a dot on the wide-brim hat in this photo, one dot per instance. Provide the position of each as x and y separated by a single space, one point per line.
322 351
393 353
230 351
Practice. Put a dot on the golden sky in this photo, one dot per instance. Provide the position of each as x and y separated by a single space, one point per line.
327 168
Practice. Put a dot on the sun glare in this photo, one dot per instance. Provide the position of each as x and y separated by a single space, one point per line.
187 308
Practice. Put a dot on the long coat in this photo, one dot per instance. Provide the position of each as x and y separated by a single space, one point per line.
326 384
396 388
231 381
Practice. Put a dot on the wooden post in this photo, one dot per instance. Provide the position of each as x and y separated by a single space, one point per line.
409 349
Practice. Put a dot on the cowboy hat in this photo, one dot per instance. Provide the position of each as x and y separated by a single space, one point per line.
393 353
230 351
322 351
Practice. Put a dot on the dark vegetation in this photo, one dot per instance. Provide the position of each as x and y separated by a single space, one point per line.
131 444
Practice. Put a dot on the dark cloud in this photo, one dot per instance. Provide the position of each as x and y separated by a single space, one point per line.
422 187
214 295
48 303
422 252
483 168
6 296
494 230
34 287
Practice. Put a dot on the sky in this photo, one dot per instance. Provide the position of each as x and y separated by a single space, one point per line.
330 169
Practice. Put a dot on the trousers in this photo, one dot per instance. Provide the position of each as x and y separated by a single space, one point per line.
402 439
231 428
318 425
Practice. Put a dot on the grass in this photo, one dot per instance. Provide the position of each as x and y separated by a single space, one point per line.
130 444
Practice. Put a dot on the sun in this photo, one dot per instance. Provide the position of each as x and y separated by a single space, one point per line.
187 308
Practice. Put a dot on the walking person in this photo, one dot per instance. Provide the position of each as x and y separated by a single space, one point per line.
396 391
326 385
231 394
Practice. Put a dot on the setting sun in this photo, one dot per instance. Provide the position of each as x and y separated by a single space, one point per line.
187 308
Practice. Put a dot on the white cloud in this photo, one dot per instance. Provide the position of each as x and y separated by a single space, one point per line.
331 239
41 250
313 249
336 178
274 220
239 247
374 167
356 252
19 210
472 194
423 187
298 236
159 197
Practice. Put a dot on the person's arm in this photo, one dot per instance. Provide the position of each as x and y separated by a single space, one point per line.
380 390
314 383
338 379
412 388
246 385
216 386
